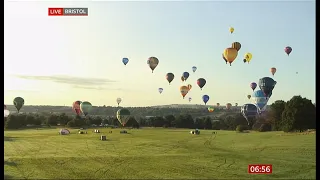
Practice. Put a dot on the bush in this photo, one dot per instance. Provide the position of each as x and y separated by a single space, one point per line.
265 128
71 123
241 128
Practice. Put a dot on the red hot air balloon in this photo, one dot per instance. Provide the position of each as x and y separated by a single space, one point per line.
76 107
201 82
288 50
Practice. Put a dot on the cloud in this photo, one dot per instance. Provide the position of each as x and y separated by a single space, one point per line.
70 80
99 88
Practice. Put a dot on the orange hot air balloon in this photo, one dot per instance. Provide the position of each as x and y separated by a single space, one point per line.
189 86
182 78
273 71
184 91
228 106
230 54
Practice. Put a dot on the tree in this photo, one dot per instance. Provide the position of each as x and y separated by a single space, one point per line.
13 122
168 119
299 114
52 120
63 119
207 123
274 115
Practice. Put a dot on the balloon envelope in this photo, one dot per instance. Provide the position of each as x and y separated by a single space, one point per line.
288 50
18 102
267 84
205 98
123 116
259 99
170 77
76 107
184 91
253 86
153 63
119 100
194 68
125 61
201 82
85 107
160 90
185 75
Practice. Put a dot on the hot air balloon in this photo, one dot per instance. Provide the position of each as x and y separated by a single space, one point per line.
218 104
118 101
184 91
267 84
185 75
123 116
249 96
210 109
236 104
153 63
205 98
18 102
189 86
288 50
230 54
231 29
201 82
85 107
76 107
236 45
182 78
224 59
249 111
160 90
125 61
260 100
169 77
253 86
247 57
273 70
228 106
190 98
194 68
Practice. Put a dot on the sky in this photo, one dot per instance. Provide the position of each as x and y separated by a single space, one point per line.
58 60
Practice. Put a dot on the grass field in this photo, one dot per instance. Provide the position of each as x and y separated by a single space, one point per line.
156 153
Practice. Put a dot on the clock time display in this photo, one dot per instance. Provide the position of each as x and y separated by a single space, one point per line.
260 168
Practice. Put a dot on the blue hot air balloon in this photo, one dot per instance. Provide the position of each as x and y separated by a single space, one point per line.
194 68
260 99
249 111
125 61
205 98
185 75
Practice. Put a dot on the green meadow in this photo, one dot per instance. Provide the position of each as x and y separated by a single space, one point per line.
156 153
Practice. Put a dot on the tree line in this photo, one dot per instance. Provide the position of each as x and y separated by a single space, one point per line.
296 114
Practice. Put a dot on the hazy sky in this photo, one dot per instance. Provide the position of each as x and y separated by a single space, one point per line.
57 60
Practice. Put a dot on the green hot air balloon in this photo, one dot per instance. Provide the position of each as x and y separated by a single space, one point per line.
18 103
85 107
123 116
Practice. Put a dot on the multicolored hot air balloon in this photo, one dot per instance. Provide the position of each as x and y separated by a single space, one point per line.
189 86
125 61
273 70
85 107
182 78
236 45
247 57
253 86
185 75
201 82
287 50
228 106
231 29
184 91
76 107
18 102
123 116
118 101
210 109
260 100
230 54
194 68
249 96
267 84
153 63
170 77
205 99
160 90
249 111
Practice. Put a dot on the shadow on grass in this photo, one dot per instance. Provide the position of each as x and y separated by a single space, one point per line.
9 138
10 163
8 177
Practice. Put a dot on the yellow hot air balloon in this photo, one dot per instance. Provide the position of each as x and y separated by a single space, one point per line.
182 78
249 96
231 29
230 54
189 86
184 91
247 57
236 45
273 70
210 109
